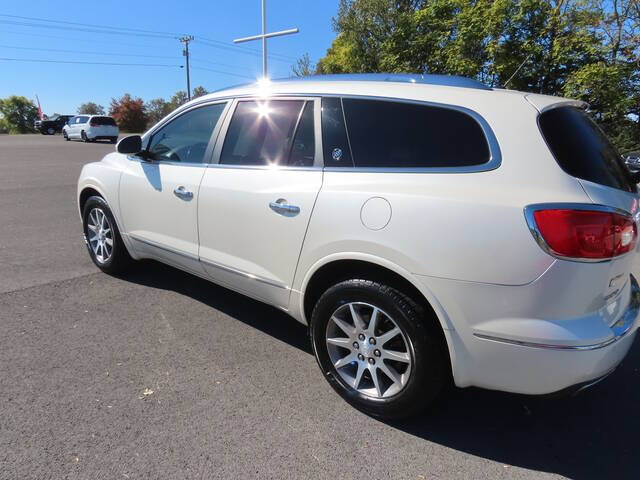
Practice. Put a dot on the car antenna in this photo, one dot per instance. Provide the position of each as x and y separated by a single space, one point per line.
517 70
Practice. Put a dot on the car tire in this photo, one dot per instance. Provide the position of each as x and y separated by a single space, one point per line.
102 237
51 131
410 366
114 139
84 137
64 134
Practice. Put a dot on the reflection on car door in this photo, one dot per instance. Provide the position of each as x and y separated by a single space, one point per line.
256 202
159 196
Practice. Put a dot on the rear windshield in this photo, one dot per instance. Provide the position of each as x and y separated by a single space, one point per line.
103 121
582 149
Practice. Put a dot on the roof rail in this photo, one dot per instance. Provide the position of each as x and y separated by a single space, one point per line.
427 79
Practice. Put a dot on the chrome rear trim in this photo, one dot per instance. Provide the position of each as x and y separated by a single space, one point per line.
619 329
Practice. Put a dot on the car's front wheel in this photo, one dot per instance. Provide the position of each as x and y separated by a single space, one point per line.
64 134
378 348
102 237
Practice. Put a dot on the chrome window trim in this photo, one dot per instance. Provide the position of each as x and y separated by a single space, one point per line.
537 235
619 329
495 154
222 134
206 159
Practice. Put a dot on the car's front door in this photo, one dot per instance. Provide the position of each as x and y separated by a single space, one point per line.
159 194
257 197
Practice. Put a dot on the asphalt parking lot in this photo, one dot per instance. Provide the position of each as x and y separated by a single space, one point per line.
160 374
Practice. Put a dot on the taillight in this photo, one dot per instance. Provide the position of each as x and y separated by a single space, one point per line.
586 234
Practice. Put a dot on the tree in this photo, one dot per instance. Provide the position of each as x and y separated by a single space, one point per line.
18 114
586 49
91 108
199 92
303 66
179 98
129 113
157 109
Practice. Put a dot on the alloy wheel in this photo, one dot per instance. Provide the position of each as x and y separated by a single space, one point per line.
100 235
368 349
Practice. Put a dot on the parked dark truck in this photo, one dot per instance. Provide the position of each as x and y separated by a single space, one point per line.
52 125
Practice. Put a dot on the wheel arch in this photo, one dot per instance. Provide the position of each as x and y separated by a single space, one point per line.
337 268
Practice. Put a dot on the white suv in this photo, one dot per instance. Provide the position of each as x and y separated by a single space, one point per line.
90 128
425 228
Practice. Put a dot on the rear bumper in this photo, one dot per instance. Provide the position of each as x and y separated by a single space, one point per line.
524 354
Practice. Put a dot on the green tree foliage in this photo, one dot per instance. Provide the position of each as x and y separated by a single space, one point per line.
199 92
91 109
18 114
586 49
179 98
129 113
303 66
157 109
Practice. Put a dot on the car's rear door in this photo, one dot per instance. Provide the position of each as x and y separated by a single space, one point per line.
159 195
256 201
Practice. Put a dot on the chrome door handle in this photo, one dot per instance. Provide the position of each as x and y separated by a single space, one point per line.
283 208
183 193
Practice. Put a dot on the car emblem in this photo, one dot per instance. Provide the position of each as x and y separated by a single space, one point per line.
336 154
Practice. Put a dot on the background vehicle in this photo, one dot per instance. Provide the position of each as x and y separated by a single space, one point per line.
632 160
52 125
425 228
90 128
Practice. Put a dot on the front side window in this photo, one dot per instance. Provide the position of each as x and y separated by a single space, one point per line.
262 133
185 139
408 135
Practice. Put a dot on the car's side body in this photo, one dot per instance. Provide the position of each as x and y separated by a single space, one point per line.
514 317
91 127
53 125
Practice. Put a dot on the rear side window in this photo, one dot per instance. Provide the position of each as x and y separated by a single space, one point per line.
103 121
261 133
407 135
82 119
582 149
335 144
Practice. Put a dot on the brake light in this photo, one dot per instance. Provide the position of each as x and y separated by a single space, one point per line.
586 234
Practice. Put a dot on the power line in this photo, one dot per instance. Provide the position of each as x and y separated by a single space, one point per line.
88 52
133 31
222 72
209 62
88 63
88 25
81 39
82 29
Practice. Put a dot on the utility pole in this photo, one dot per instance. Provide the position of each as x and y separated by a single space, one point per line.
186 39
264 37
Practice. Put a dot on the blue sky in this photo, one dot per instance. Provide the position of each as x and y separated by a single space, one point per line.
63 87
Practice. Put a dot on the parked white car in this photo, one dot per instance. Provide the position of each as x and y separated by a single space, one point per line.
90 128
425 228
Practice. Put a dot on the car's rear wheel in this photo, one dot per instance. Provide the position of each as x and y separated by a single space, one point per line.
83 135
102 236
378 348
51 131
114 139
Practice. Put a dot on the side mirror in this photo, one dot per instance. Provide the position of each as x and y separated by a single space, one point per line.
130 144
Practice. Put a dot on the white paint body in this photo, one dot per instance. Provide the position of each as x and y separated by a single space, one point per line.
77 125
460 238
